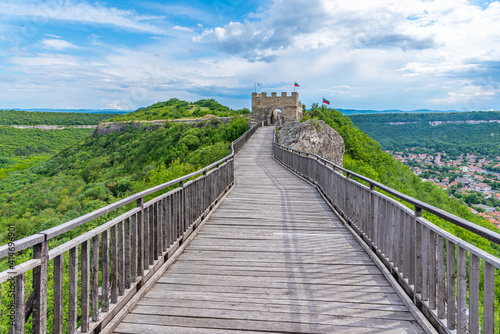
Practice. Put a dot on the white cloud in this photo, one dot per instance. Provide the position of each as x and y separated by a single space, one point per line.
81 11
185 29
58 44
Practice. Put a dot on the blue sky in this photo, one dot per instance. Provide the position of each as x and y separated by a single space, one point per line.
377 54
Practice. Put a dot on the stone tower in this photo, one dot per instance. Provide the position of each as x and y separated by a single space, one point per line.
276 108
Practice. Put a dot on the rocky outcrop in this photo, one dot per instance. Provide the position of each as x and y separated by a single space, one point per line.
313 136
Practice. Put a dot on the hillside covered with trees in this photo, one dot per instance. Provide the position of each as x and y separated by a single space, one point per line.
175 109
19 117
455 133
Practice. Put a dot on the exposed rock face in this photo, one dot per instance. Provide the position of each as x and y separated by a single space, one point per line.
313 136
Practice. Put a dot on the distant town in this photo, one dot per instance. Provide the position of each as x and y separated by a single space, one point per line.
471 178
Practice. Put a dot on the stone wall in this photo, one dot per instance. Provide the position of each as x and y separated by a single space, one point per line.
263 107
313 136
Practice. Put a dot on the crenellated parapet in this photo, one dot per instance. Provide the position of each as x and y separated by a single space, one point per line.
274 107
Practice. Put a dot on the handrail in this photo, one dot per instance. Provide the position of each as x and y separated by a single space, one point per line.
136 244
429 263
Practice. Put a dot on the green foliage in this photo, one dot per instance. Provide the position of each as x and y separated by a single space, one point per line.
25 142
101 169
454 138
175 109
19 117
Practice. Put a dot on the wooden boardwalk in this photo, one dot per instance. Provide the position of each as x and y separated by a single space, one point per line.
273 258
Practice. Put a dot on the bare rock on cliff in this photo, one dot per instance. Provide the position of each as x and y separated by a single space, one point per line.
313 136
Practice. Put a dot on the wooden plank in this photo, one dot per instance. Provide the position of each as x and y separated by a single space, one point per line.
39 317
461 291
105 271
126 248
57 323
121 260
94 278
85 285
73 290
441 281
133 250
489 299
450 284
19 306
113 275
474 271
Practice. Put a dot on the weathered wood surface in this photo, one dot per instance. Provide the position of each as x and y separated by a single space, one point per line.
272 258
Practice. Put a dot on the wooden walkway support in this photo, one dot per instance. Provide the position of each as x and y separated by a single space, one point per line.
273 258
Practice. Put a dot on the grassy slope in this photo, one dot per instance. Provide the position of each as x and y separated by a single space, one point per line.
175 109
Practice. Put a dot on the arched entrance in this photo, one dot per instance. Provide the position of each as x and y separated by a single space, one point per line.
276 117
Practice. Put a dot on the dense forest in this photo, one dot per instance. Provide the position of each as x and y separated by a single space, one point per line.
19 117
416 130
175 109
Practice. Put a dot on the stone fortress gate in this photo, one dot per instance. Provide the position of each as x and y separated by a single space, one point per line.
276 109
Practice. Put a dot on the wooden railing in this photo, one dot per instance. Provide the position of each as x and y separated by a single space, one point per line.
107 266
428 262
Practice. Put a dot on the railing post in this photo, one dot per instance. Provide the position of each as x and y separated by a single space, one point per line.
40 251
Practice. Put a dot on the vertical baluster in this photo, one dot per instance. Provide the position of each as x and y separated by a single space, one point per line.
382 221
451 276
73 290
58 295
152 238
489 298
407 253
441 268
462 290
94 285
398 241
401 238
160 227
182 207
133 246
474 272
147 242
425 246
157 230
39 316
165 224
140 238
375 202
105 270
412 244
113 275
19 311
126 252
85 280
432 270
392 232
121 260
